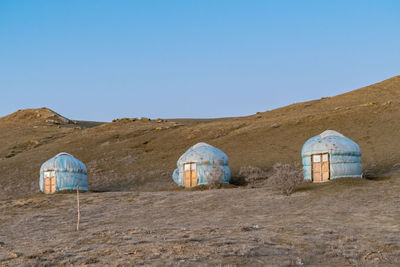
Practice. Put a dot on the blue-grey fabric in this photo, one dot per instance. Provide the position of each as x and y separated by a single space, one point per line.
209 161
68 171
345 155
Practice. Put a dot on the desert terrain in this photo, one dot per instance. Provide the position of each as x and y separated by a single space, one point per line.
134 213
341 223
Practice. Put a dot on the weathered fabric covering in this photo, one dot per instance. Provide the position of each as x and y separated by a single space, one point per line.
68 171
345 155
209 160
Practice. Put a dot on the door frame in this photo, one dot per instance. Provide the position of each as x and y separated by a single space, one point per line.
52 186
329 166
191 170
322 162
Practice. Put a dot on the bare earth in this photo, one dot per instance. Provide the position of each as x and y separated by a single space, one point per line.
345 222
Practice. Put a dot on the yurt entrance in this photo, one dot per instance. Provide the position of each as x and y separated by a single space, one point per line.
49 181
320 167
190 175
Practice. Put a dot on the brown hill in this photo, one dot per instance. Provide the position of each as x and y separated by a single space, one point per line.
141 154
42 115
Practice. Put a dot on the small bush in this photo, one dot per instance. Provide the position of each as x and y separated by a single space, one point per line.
252 174
286 177
370 171
238 180
368 174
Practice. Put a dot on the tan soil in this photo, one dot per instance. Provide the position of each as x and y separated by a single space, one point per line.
345 222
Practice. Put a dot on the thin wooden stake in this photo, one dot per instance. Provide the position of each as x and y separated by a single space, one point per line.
79 211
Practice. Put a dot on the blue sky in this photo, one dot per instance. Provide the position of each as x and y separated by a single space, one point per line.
100 60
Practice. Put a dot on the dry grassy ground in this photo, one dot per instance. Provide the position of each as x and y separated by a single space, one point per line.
141 155
346 222
132 215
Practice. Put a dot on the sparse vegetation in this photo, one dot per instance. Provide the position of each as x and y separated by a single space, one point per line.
286 177
240 226
368 174
252 174
369 171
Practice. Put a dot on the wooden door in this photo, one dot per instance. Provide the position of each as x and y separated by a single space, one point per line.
325 167
47 188
49 185
190 178
188 175
320 167
193 173
316 168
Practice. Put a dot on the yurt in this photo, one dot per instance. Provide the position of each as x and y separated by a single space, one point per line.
63 172
331 155
202 164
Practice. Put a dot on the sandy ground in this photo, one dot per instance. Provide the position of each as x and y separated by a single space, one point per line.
343 222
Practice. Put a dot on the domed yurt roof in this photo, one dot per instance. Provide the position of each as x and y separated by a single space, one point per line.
204 153
64 162
332 142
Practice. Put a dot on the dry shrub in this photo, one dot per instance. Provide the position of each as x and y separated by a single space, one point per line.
286 177
368 174
370 171
252 174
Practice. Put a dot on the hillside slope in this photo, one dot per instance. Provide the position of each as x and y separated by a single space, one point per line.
141 154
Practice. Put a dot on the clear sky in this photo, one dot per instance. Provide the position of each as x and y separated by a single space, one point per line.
100 60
